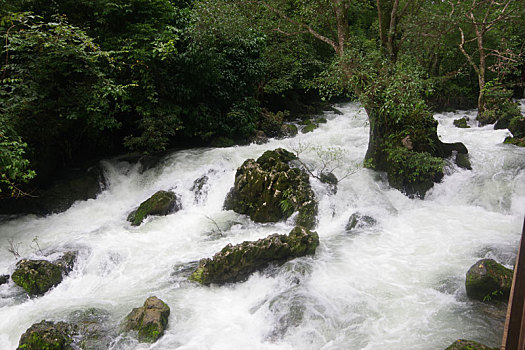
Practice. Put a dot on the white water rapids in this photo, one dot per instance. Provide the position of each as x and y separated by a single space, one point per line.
396 285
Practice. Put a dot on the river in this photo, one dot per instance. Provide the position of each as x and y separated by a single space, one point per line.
398 284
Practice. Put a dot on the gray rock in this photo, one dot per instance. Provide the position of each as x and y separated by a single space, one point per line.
149 320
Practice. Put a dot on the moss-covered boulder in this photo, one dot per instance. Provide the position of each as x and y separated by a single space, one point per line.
47 335
309 128
488 280
235 263
461 123
270 190
161 203
321 120
358 220
462 344
39 276
149 320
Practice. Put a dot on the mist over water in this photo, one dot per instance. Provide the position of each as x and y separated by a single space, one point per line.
398 284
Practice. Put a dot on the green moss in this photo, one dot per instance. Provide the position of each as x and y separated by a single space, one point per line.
515 141
462 344
413 172
37 276
461 123
488 280
321 120
161 203
309 128
47 336
234 263
305 122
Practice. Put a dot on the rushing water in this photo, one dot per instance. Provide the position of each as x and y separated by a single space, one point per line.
396 285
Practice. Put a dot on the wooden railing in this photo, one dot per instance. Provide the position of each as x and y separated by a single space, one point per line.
514 332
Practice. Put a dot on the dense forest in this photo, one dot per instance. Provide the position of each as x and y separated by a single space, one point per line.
86 79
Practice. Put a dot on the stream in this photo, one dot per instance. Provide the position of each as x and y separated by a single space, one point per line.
398 284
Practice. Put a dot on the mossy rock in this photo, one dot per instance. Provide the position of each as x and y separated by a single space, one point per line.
161 203
149 320
463 161
37 276
309 128
269 190
358 220
461 123
235 263
305 122
413 173
488 280
47 335
462 344
520 142
288 130
321 120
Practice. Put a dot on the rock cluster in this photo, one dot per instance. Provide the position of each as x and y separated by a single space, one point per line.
269 190
461 344
236 262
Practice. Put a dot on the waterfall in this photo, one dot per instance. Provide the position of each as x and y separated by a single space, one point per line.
398 284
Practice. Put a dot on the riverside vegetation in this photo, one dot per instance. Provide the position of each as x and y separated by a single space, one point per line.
90 79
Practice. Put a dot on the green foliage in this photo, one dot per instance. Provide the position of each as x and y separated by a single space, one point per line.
499 106
411 167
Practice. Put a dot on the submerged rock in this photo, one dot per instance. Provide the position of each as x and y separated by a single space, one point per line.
95 332
199 188
488 280
269 190
149 320
47 335
161 203
462 344
39 276
4 279
235 263
330 179
358 220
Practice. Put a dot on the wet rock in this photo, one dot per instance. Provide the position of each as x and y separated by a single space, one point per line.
329 179
260 137
463 161
149 320
4 279
288 130
462 344
235 263
161 203
358 220
94 329
488 280
309 128
39 276
47 335
461 123
269 190
321 120
222 142
73 185
199 188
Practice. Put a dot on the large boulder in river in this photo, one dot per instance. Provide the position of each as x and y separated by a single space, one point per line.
39 276
47 335
269 190
161 203
235 263
488 280
461 344
149 320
